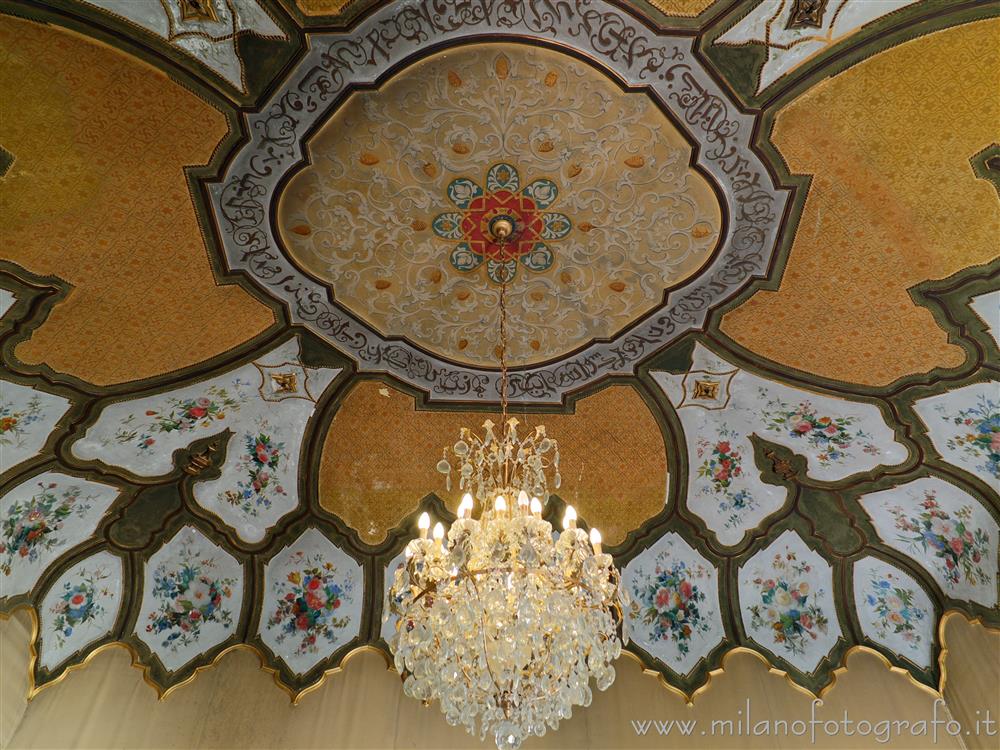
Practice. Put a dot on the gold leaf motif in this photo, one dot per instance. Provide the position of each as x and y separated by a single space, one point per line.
565 277
546 146
585 226
574 170
617 286
502 67
460 148
302 229
430 170
462 343
454 79
434 275
368 158
538 295
535 344
635 161
382 283
551 78
701 230
462 294
418 225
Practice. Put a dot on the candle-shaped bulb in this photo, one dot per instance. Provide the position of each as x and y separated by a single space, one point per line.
500 505
465 507
536 507
424 523
408 552
438 531
569 520
523 501
595 540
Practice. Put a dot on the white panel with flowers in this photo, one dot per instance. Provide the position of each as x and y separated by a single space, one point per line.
964 426
313 593
266 403
674 614
987 307
721 405
943 528
389 620
894 610
80 607
191 599
27 418
787 603
40 519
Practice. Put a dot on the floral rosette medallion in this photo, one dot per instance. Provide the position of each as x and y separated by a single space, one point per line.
788 607
949 537
309 604
31 526
189 596
80 602
503 198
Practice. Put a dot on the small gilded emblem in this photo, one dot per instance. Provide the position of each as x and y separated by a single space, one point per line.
706 390
284 382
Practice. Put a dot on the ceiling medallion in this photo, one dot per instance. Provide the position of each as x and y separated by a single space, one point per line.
642 203
499 620
503 200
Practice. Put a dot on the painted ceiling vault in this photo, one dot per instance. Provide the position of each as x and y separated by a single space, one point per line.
246 297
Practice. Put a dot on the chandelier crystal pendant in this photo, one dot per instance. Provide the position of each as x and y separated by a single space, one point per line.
500 619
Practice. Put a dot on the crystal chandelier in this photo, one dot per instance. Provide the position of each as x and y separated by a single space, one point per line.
499 619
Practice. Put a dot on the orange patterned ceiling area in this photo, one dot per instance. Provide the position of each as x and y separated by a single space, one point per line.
893 202
617 479
99 197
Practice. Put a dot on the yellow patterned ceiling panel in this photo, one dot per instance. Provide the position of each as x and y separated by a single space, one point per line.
617 480
99 198
894 202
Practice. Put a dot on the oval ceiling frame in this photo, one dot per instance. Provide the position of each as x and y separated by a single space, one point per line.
244 196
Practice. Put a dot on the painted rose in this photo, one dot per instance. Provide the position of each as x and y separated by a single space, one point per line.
787 610
307 601
670 602
33 526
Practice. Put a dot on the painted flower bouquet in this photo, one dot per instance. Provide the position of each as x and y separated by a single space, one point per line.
670 600
78 604
31 526
307 607
827 434
188 598
983 438
787 605
260 458
960 548
897 612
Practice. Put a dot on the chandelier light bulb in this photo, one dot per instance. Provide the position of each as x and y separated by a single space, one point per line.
595 540
523 501
500 504
438 533
424 523
536 507
465 507
569 519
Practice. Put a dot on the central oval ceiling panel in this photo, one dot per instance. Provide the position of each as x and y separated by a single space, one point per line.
391 210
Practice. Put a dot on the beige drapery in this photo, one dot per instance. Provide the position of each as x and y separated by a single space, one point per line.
236 705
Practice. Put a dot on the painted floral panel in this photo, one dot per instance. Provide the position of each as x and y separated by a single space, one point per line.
312 601
388 620
943 528
40 519
987 307
266 404
964 426
27 418
786 600
80 607
894 610
674 614
192 597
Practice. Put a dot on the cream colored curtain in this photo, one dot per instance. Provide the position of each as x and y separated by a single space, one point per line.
236 705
